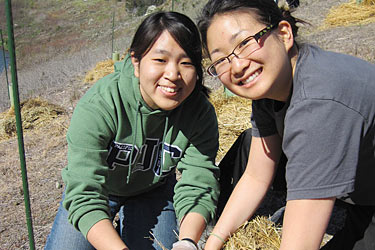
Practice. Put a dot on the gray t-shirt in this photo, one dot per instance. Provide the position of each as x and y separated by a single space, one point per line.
327 126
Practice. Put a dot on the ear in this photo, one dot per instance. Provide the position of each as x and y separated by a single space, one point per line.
135 63
286 34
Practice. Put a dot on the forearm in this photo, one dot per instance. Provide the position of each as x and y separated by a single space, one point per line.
246 197
103 236
305 222
192 226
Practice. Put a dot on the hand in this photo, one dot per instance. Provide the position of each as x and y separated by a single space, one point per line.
184 245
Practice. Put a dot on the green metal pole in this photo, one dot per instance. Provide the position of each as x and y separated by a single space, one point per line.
21 150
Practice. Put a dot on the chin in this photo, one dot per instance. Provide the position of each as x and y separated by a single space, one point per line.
169 107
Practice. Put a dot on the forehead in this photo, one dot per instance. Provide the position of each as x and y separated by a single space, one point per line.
230 28
166 44
164 40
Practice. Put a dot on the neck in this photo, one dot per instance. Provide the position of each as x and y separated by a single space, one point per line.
293 55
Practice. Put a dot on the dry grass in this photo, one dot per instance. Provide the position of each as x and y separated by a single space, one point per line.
257 234
101 69
233 114
35 114
44 129
351 13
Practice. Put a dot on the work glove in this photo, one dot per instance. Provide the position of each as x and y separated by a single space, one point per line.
184 245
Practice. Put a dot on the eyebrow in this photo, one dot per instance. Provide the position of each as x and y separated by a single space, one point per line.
166 52
162 51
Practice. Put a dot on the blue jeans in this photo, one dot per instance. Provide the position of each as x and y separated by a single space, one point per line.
139 215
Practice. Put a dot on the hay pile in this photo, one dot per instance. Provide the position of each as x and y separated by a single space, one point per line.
233 114
101 69
257 234
35 113
351 13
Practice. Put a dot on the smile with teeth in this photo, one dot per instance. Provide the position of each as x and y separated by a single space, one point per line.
252 77
168 89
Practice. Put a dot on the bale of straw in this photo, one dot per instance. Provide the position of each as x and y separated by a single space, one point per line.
258 234
351 13
35 113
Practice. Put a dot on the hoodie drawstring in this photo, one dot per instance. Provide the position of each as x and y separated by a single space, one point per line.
133 143
134 140
162 145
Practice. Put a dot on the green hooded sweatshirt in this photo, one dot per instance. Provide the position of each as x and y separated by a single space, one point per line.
117 145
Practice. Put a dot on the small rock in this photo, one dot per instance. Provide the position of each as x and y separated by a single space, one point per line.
58 185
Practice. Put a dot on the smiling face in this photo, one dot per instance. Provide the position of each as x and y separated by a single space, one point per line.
166 74
267 72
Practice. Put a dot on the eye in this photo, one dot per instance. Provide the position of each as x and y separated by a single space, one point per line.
188 63
159 60
220 61
244 42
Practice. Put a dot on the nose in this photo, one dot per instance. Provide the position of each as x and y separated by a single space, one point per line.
238 66
172 72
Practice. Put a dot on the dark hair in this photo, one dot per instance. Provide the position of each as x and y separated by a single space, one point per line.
267 10
181 28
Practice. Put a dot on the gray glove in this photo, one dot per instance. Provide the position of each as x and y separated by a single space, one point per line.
184 245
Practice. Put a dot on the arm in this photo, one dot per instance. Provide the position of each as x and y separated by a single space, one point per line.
250 190
197 191
192 226
86 197
103 236
305 222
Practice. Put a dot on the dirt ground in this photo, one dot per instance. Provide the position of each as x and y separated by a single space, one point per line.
45 148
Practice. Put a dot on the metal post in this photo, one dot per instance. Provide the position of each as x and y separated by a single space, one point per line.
21 150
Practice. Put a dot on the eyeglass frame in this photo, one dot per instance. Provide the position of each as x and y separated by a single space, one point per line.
256 37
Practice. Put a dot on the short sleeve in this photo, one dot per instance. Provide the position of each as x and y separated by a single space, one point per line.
262 118
322 143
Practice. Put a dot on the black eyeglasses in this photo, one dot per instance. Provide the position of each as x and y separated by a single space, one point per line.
242 50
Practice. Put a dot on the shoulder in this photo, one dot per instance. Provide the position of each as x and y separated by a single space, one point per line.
316 63
103 88
326 75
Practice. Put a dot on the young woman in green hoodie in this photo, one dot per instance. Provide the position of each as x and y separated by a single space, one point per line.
127 136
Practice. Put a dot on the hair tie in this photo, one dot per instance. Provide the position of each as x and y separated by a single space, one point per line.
217 236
